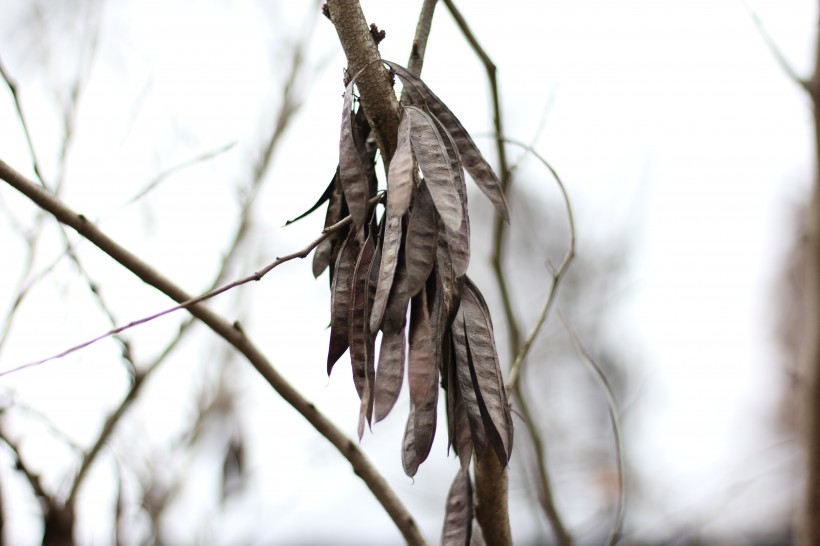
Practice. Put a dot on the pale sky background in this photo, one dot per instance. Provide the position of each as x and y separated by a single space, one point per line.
671 120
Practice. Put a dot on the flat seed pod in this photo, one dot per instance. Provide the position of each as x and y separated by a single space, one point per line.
424 427
340 301
474 161
462 439
484 360
448 283
352 172
395 316
400 174
459 240
357 321
368 399
421 240
390 373
431 153
458 515
391 243
466 389
422 375
409 458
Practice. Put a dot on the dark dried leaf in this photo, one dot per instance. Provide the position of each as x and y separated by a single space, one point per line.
390 373
391 243
324 197
336 210
352 171
434 163
357 321
458 516
471 156
489 384
421 240
340 301
400 175
466 389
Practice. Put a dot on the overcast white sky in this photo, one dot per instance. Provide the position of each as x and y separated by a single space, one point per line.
670 118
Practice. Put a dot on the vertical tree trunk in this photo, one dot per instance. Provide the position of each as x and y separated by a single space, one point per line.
809 527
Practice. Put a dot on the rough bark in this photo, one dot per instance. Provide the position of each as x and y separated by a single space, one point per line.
375 86
810 525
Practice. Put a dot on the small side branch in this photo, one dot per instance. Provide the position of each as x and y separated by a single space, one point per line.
600 377
778 55
416 61
557 275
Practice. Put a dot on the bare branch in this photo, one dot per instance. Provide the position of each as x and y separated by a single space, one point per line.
600 377
190 301
778 55
377 95
544 482
557 275
32 478
233 335
416 61
158 179
12 85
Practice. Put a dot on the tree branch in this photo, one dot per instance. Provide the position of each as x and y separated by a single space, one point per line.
598 373
233 335
778 55
376 90
417 52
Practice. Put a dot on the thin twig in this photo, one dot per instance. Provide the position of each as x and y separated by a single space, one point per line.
32 478
557 275
599 375
187 303
158 179
12 85
778 55
234 335
416 60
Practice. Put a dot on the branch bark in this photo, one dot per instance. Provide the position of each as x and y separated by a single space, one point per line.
809 527
233 335
375 86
